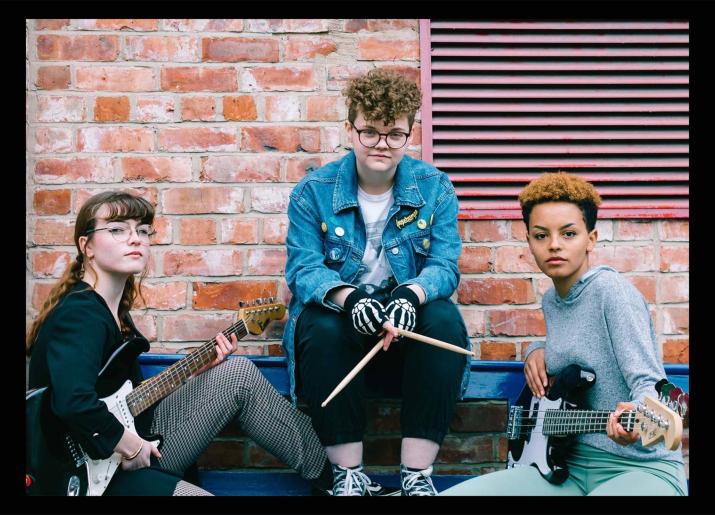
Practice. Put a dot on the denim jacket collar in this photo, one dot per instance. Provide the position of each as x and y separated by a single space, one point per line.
405 188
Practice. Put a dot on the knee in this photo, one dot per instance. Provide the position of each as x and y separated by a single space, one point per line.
239 370
441 319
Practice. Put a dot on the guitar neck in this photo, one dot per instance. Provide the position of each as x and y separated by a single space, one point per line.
571 422
162 384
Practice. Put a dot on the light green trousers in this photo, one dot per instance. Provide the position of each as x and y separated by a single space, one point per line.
592 472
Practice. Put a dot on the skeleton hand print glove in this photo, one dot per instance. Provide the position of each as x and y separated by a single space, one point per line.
367 314
402 308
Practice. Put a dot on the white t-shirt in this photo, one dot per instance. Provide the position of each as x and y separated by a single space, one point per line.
374 209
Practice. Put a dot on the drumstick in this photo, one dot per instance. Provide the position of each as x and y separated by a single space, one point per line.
354 371
432 341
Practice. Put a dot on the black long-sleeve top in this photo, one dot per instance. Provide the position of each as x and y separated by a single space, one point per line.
74 343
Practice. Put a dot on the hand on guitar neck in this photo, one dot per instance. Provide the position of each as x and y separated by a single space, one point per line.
224 349
615 430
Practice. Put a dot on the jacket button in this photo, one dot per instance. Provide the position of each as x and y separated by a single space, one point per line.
425 243
324 227
334 253
339 231
421 224
395 250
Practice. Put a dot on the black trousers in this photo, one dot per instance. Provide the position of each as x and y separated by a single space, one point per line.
427 378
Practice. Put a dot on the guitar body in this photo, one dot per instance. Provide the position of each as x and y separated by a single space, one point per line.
527 444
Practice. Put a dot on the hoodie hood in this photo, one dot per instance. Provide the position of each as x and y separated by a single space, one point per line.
583 281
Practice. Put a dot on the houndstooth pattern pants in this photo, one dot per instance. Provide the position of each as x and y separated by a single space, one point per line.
190 417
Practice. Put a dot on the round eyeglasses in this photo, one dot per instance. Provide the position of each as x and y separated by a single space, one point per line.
121 232
370 137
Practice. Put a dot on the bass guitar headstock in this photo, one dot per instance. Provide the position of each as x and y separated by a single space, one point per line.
259 313
655 421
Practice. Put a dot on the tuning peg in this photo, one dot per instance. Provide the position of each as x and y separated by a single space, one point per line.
241 303
270 300
258 301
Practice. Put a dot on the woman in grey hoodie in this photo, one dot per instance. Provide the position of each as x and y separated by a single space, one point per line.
597 319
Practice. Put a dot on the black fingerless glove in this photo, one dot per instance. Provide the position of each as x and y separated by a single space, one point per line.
402 308
367 314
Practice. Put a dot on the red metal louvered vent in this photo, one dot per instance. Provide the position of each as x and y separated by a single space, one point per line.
505 101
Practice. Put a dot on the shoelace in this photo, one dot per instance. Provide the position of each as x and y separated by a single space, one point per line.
354 481
418 483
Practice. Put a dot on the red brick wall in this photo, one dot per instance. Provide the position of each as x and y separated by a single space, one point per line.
214 121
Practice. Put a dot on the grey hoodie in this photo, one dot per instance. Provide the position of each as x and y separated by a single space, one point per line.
603 323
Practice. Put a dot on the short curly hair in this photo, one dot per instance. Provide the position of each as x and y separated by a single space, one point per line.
382 95
561 187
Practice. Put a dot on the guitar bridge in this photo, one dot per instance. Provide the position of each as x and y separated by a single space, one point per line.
76 452
513 426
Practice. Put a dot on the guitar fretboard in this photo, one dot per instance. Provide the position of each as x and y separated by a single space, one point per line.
567 422
162 384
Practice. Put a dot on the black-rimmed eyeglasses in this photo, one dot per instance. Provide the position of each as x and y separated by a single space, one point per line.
370 137
121 232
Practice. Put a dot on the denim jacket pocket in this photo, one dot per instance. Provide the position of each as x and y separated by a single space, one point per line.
336 253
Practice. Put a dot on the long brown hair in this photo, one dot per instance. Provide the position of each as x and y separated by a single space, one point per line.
122 206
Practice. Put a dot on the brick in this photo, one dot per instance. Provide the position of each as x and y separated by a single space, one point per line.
279 78
518 230
195 327
164 296
626 230
330 140
287 25
51 202
226 295
236 49
270 200
156 169
355 25
76 169
51 140
474 260
176 49
517 322
77 48
475 417
495 291
115 139
146 325
275 229
514 259
40 292
266 261
53 232
323 109
240 108
625 259
466 449
197 231
298 167
307 49
155 109
51 24
379 25
111 109
409 72
675 320
380 48
215 263
110 78
193 25
382 450
282 108
676 350
338 75
50 263
673 288
543 285
60 109
674 258
222 454
482 230
236 168
53 77
164 230
198 108
203 200
605 230
645 285
185 78
197 139
239 230
260 458
117 24
498 351
674 230
474 320
81 195
282 139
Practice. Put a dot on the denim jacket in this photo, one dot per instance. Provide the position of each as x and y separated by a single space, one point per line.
326 238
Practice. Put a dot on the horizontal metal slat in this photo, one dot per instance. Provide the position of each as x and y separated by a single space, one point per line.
551 107
568 162
569 66
513 52
440 134
477 148
560 38
614 213
437 25
523 80
657 203
604 191
546 121
553 93
596 177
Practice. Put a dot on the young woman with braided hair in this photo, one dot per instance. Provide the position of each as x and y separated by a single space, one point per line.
86 318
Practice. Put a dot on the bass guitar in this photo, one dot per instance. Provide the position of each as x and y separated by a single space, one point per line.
57 465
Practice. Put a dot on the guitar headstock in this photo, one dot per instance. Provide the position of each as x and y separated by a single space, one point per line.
655 421
259 313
